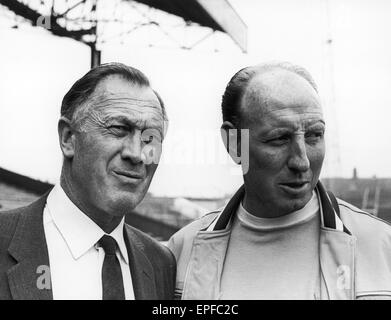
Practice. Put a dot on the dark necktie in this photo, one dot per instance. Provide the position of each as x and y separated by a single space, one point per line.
112 282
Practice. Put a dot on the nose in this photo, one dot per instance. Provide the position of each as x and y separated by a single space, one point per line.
298 160
132 148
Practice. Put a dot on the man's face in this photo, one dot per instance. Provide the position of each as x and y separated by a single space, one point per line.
286 141
110 164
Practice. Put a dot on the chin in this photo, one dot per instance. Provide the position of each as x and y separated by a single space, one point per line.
122 205
297 206
299 203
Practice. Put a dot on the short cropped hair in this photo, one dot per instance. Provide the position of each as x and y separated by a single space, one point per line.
82 89
238 84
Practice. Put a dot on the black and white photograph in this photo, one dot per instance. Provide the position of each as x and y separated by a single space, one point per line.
232 150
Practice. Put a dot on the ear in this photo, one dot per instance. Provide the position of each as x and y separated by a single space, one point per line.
231 139
66 137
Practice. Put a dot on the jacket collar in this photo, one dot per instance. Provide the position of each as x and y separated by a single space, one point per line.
336 253
329 215
29 278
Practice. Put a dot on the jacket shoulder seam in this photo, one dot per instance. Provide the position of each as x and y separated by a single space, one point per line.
366 213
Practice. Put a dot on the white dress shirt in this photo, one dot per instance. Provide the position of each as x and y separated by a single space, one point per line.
75 258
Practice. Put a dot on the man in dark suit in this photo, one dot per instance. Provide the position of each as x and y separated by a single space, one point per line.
73 243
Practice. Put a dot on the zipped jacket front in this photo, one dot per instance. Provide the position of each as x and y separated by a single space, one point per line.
354 252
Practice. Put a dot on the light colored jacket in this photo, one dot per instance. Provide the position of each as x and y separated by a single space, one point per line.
354 251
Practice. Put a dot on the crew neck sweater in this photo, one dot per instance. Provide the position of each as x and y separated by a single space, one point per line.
273 258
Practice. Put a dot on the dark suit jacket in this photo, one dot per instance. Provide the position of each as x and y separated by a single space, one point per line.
23 249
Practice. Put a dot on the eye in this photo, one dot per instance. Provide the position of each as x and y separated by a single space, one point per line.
149 138
118 129
313 137
280 140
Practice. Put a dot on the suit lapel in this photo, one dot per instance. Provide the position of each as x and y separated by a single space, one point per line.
29 278
140 267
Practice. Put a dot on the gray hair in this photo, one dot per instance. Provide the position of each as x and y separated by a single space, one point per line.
81 94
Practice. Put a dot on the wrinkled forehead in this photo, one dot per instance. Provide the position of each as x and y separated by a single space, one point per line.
120 100
282 94
139 115
127 103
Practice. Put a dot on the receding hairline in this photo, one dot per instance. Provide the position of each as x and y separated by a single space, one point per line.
100 90
262 91
105 80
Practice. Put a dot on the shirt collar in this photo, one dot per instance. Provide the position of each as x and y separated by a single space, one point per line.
118 235
78 230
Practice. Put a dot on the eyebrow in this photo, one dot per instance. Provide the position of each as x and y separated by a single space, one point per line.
315 122
281 123
282 127
139 123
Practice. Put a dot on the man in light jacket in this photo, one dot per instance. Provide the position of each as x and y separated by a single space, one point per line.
282 235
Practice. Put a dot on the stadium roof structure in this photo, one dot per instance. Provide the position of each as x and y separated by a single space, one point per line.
217 15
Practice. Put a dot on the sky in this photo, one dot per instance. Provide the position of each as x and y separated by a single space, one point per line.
353 73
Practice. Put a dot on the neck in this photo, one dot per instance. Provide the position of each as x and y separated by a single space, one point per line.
104 220
255 206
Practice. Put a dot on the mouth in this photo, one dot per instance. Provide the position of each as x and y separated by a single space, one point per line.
295 187
129 175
